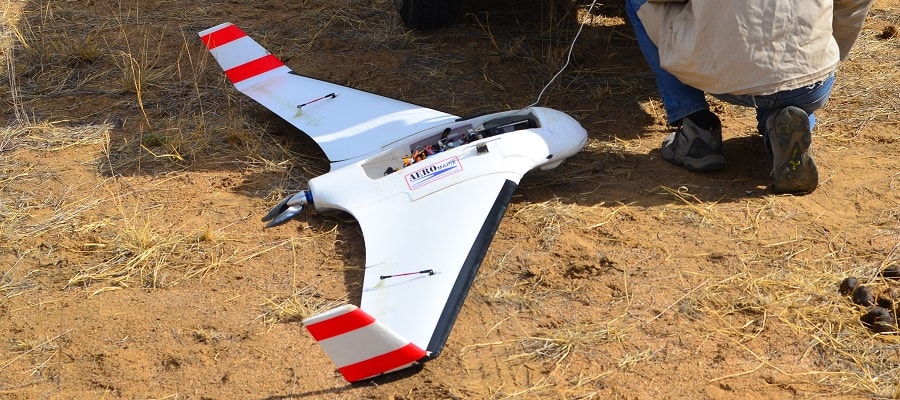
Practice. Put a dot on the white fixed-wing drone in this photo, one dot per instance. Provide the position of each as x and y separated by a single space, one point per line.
427 188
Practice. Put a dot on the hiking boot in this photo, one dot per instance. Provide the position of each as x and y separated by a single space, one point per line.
695 148
793 169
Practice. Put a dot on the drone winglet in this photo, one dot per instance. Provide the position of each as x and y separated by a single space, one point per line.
241 57
360 346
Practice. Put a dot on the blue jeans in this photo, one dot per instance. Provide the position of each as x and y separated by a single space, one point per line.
681 100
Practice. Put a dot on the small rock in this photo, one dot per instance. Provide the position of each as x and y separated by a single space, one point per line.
862 295
847 285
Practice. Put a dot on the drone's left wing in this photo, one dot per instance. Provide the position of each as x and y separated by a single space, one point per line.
427 228
422 256
346 123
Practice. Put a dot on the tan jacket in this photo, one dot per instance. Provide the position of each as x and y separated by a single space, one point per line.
752 46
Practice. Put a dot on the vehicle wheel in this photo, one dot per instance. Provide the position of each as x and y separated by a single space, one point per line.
428 14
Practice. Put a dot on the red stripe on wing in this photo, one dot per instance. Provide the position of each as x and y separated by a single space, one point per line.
382 363
222 36
340 324
253 68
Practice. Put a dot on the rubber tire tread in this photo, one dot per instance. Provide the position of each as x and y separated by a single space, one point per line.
428 14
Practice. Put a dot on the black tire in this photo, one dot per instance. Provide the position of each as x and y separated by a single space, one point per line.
428 14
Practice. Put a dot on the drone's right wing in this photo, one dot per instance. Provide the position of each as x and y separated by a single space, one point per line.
346 123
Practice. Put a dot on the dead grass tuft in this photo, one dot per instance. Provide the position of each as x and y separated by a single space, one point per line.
549 218
56 136
837 350
865 93
14 282
297 306
137 250
554 346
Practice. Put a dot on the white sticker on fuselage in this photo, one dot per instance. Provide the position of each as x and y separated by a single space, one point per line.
433 172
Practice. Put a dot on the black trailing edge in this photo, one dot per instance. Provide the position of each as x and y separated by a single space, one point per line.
470 269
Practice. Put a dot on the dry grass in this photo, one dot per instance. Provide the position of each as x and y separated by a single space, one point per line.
155 258
119 251
867 92
554 347
13 281
553 352
35 348
297 306
549 217
774 281
803 296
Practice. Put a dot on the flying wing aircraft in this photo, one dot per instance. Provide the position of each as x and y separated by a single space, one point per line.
428 189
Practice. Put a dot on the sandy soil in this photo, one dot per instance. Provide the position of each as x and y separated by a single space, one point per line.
133 178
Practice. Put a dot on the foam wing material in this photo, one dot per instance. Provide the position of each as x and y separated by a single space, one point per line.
346 123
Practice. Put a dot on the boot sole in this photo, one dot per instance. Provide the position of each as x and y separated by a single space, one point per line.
794 170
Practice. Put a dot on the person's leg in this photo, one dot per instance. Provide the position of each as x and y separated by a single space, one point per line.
697 144
679 100
785 119
808 98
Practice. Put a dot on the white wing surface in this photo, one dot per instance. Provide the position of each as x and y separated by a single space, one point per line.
428 226
417 278
346 123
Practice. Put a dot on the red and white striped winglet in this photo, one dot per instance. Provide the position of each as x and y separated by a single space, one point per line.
239 55
360 346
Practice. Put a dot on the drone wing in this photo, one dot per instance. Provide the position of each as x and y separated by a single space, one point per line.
422 257
417 279
346 123
427 228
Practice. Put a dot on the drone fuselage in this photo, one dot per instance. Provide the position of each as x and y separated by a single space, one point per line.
505 142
